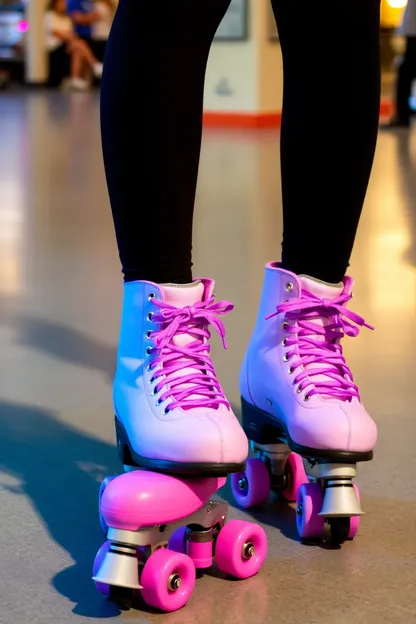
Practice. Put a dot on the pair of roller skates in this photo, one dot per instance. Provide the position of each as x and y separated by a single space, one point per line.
179 438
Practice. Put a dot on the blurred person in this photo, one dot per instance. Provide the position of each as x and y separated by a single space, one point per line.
406 72
101 27
83 15
171 412
68 55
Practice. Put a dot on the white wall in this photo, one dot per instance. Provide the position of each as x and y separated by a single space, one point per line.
246 77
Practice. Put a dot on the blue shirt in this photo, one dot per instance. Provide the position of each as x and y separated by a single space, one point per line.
82 6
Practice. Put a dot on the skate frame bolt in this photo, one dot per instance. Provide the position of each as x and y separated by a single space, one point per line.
248 550
299 510
242 484
175 582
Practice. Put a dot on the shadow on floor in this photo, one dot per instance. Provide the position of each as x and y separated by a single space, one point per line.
65 343
60 469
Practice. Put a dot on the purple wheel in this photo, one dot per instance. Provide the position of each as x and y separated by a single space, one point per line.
168 580
103 588
355 520
308 505
241 548
295 476
252 487
177 542
103 485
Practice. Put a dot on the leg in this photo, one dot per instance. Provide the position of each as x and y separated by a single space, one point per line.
295 384
331 148
77 61
171 413
154 77
85 51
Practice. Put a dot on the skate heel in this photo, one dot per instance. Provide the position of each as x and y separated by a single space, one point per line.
259 426
123 447
161 529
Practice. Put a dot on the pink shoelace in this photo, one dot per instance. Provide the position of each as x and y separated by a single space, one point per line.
200 387
320 355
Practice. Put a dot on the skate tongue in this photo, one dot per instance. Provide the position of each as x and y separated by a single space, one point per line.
181 296
320 289
323 290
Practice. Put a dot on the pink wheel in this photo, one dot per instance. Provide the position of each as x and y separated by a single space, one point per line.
252 487
241 548
168 580
295 476
308 505
177 542
355 520
103 485
103 588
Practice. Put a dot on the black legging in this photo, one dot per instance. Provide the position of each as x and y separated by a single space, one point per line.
151 115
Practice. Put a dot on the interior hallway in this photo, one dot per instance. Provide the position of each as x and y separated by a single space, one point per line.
60 295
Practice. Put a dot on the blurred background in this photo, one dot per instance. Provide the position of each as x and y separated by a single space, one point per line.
60 299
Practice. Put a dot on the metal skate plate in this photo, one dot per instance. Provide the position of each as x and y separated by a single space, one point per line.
274 455
210 514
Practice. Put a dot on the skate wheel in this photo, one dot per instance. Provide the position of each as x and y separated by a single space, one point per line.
294 477
103 588
168 580
308 505
241 548
103 485
252 487
355 520
177 542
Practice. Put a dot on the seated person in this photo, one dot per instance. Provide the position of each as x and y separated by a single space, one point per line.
68 54
83 15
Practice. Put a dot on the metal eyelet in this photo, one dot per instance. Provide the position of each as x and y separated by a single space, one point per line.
291 370
148 368
285 325
299 389
306 397
284 342
289 287
150 316
286 357
166 410
148 334
151 296
148 351
158 402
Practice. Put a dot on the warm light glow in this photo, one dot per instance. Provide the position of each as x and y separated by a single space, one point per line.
397 4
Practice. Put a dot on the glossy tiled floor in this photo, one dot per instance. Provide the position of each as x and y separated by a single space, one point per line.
60 292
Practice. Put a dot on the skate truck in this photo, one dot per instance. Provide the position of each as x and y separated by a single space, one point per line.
328 503
160 530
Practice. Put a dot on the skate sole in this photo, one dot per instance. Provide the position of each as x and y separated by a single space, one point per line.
262 428
129 457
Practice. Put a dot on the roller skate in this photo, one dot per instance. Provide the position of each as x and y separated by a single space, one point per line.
160 530
300 407
171 413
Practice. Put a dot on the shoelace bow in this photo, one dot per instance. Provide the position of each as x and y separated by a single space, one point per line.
319 344
201 384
